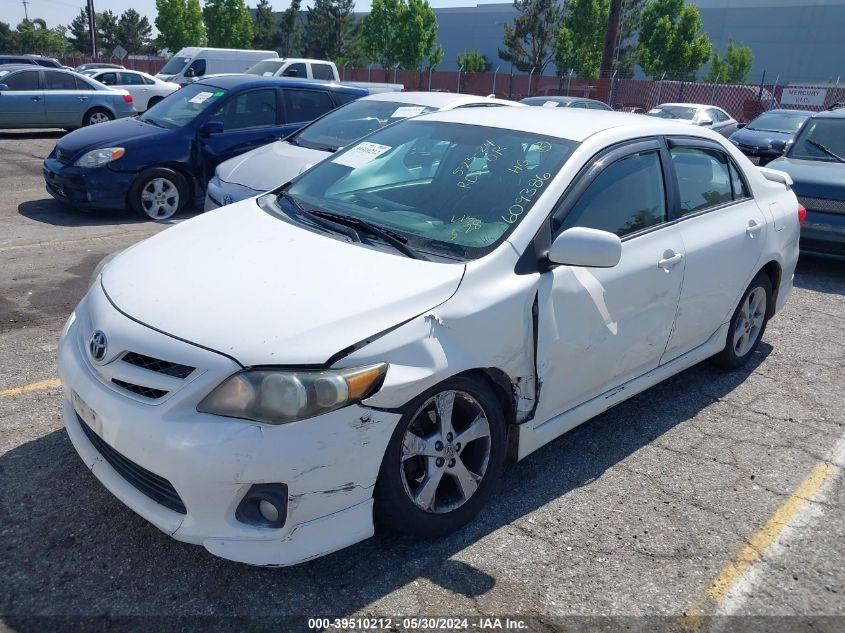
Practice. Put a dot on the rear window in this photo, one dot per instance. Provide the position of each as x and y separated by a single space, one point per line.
322 71
685 113
266 68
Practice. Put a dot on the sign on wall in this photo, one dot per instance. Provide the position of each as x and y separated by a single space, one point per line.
795 95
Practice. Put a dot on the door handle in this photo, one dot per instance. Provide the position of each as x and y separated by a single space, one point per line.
36 98
670 260
753 228
83 98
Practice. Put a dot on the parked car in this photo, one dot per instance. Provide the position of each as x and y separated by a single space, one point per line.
145 89
34 60
194 62
36 97
815 161
369 343
95 65
566 102
766 137
273 165
704 115
159 162
314 69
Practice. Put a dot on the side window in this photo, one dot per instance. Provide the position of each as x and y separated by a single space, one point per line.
131 79
740 189
256 108
109 79
147 81
703 179
341 98
595 105
626 197
60 81
81 84
296 70
578 104
322 71
306 105
198 66
27 80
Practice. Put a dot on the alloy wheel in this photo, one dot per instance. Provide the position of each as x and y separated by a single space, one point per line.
98 117
752 316
160 198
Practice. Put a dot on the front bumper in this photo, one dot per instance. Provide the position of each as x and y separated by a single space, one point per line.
99 188
823 234
220 193
329 463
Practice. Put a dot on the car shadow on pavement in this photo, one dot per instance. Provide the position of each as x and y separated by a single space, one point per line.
820 274
26 135
50 211
71 549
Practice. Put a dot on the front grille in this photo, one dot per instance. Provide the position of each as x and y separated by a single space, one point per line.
156 488
146 392
826 205
157 365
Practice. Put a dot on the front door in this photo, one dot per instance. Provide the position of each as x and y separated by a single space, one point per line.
600 327
22 105
64 103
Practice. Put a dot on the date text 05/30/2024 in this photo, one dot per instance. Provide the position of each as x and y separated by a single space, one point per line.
418 623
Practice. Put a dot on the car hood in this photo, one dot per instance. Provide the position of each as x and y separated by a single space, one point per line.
814 178
118 133
265 291
269 166
759 138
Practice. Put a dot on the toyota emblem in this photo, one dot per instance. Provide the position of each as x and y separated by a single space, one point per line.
98 345
227 199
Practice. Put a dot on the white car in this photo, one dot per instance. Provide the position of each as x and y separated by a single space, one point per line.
375 340
272 165
145 89
709 116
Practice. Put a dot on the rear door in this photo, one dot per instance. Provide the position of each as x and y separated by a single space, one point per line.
22 105
135 85
723 232
63 102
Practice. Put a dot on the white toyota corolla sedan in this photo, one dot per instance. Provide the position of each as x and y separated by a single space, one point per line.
372 342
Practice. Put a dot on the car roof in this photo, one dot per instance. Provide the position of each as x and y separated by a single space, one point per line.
11 67
787 111
440 100
561 98
573 124
227 82
836 113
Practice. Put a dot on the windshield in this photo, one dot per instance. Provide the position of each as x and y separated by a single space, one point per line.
785 122
266 68
175 65
181 107
349 123
821 139
673 112
449 189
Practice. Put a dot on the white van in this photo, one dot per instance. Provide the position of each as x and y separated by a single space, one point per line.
321 69
191 63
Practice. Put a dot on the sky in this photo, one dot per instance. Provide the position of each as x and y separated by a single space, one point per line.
57 12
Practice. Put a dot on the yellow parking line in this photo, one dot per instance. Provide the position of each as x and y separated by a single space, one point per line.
753 548
35 386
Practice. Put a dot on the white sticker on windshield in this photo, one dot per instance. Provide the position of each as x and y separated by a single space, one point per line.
361 154
406 111
200 97
550 104
269 73
654 111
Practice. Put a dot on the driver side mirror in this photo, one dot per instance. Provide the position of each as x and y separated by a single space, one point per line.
739 126
705 121
580 246
190 73
211 127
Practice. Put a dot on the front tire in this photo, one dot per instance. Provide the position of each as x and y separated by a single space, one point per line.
443 461
158 193
748 323
95 116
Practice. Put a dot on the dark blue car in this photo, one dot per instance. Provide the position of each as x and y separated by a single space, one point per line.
160 162
816 162
766 137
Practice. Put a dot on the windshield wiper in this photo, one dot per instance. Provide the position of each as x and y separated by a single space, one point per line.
321 221
826 151
152 121
397 241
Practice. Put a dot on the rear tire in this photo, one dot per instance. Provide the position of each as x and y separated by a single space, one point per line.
158 193
431 483
95 116
748 323
153 101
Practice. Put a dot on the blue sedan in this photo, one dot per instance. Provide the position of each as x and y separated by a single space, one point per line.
160 162
767 136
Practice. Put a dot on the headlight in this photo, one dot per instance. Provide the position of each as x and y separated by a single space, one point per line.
99 157
277 396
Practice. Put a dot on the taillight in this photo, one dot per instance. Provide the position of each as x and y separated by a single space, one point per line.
127 98
802 214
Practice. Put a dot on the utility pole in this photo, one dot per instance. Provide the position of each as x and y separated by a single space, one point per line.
25 12
92 28
610 38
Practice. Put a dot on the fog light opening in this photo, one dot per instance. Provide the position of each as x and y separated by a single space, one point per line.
264 505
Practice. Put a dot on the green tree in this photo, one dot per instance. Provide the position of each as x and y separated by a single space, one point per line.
134 31
530 39
733 68
228 23
435 57
78 37
266 30
580 39
354 52
400 32
107 31
669 39
328 29
472 61
9 39
180 24
33 36
291 29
